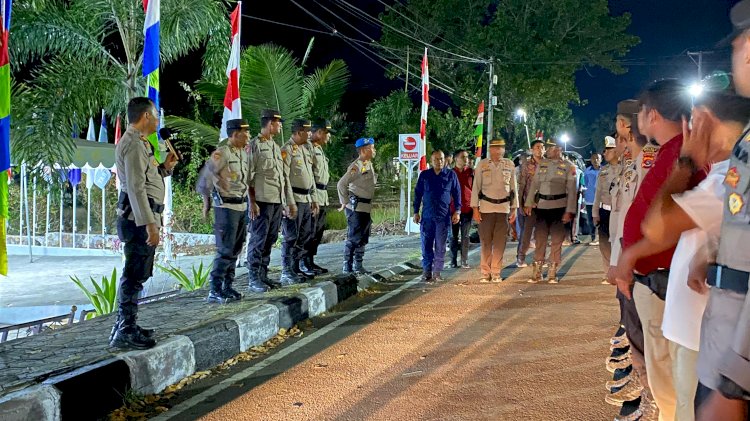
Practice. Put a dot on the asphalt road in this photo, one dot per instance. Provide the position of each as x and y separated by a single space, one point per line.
458 350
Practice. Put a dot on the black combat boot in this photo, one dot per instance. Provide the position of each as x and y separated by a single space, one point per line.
305 269
347 269
358 268
255 281
129 336
149 333
231 293
318 270
426 276
215 294
288 275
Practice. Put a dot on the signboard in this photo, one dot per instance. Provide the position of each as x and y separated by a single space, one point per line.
408 147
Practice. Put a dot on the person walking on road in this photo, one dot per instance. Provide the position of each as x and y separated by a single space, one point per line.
493 199
591 178
553 192
139 210
356 190
436 187
527 222
465 176
228 167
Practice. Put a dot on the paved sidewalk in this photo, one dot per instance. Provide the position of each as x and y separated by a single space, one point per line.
64 371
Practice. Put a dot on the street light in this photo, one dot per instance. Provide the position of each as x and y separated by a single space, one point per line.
565 138
696 90
521 114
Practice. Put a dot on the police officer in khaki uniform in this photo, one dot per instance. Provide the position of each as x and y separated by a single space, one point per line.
493 198
270 197
553 191
602 207
297 231
356 190
526 172
139 210
319 137
229 175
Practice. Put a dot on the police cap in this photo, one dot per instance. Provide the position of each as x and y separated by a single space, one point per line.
237 124
628 107
609 142
321 123
271 114
301 124
740 17
497 142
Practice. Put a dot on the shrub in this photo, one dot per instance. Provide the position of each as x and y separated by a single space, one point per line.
104 296
198 281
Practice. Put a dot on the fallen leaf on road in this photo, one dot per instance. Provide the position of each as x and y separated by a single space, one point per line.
297 404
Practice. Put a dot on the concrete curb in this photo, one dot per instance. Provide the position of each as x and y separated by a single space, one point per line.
95 390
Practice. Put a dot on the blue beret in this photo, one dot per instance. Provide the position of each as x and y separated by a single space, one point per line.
364 142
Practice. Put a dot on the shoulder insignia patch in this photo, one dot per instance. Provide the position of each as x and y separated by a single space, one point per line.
283 154
735 203
732 178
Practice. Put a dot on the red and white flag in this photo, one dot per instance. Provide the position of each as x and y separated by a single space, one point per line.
232 107
118 130
425 106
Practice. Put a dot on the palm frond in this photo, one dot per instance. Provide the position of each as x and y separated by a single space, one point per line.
186 24
189 129
324 88
307 52
270 78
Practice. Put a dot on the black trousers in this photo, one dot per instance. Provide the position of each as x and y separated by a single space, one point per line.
297 233
230 229
139 266
463 226
264 231
357 234
319 227
549 223
629 318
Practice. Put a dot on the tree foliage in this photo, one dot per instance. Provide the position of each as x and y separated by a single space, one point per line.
537 48
86 55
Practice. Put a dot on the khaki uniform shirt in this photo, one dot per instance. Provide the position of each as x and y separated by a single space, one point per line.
321 174
266 174
625 189
229 167
553 178
298 163
359 180
603 194
526 172
496 180
139 176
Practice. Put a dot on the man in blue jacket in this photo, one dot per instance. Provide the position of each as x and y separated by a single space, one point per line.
435 188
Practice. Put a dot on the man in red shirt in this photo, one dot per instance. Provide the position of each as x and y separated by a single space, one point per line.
465 181
662 107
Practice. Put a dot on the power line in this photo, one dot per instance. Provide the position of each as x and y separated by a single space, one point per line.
364 16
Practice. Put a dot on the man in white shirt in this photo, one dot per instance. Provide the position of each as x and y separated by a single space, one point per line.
692 220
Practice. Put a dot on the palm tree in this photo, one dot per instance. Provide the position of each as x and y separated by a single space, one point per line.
270 77
85 55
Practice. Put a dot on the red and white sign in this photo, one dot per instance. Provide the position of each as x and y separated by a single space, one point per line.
408 147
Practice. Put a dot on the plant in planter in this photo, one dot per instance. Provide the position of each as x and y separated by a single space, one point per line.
104 295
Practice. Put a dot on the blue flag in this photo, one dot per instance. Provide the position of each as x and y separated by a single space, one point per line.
103 130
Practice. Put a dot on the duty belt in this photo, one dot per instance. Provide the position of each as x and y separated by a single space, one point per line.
301 191
656 281
728 278
123 204
234 200
360 199
321 186
491 200
553 196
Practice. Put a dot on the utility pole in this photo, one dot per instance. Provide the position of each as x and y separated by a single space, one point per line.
490 104
699 63
406 81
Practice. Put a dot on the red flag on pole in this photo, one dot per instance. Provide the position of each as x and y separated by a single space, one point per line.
425 106
232 107
118 130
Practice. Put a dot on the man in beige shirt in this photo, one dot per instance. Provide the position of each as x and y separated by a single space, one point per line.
319 138
270 194
493 198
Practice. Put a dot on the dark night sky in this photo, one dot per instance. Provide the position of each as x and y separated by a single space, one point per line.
667 28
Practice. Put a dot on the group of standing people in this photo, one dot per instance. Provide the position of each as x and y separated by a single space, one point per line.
255 186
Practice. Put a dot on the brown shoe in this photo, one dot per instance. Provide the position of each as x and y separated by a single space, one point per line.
631 391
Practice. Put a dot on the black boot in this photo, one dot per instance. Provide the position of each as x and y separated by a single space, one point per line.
358 268
347 269
255 281
149 333
215 294
305 269
318 270
129 336
426 276
231 293
288 277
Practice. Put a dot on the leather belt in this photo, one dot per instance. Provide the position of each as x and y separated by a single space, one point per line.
234 200
123 204
362 199
606 207
321 186
728 278
656 281
491 200
301 191
553 197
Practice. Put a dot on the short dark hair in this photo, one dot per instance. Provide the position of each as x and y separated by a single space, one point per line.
437 151
265 120
137 106
669 97
458 152
725 105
